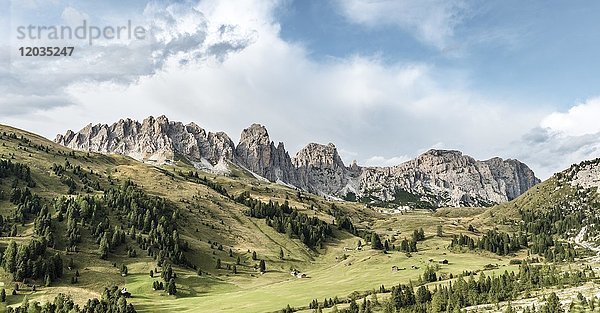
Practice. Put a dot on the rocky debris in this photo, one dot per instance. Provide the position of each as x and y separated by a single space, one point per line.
436 178
586 174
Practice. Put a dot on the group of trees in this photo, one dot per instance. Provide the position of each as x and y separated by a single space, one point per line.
27 204
376 241
310 230
408 245
559 221
169 277
193 176
32 260
553 250
84 176
467 292
112 301
43 228
494 241
16 170
418 234
6 228
152 216
81 211
327 303
430 274
342 220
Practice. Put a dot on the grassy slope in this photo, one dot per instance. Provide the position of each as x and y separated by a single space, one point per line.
207 215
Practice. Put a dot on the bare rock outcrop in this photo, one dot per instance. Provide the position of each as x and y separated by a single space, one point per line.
155 140
257 153
434 179
449 178
321 169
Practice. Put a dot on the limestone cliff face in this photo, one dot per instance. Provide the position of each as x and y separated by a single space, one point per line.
434 179
257 153
449 178
155 140
321 170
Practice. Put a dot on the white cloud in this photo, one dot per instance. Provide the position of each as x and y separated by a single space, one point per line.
561 139
581 119
178 34
382 161
430 21
227 66
74 17
548 152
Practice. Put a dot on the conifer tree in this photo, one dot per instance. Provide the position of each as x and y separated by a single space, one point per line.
104 248
171 287
262 266
376 241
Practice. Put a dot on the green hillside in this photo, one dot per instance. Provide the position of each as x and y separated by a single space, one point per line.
75 223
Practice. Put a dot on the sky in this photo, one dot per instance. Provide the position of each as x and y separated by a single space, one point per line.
383 80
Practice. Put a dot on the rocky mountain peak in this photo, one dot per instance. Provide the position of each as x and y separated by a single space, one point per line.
442 152
435 178
258 153
321 169
318 155
154 140
256 134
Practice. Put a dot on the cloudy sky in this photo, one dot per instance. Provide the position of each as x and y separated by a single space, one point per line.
383 80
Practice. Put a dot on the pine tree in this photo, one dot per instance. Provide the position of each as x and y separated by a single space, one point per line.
281 254
552 305
47 280
171 287
10 257
262 266
3 295
376 241
104 246
218 263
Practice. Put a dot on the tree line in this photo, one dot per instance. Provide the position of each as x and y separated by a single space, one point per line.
312 231
112 301
494 241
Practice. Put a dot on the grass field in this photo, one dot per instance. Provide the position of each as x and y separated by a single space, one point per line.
337 270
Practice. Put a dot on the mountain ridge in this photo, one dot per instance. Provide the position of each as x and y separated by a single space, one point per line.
433 179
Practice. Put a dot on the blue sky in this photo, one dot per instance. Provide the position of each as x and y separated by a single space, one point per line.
383 80
539 51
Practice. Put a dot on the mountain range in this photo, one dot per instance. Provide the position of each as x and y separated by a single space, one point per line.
436 178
